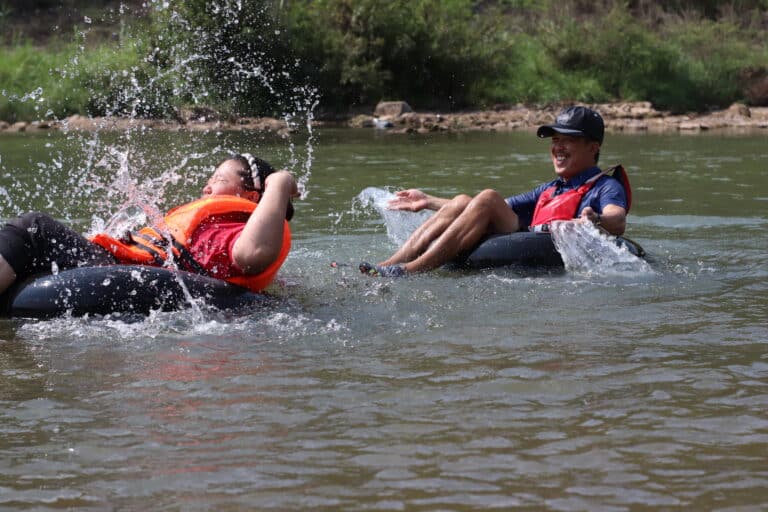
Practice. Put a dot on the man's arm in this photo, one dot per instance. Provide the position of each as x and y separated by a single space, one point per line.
611 204
613 219
260 242
414 200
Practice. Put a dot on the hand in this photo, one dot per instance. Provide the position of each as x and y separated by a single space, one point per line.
282 180
411 200
589 215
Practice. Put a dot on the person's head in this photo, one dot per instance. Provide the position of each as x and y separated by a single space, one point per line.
577 135
234 177
241 175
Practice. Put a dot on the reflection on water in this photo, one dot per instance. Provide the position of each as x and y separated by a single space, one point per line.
449 390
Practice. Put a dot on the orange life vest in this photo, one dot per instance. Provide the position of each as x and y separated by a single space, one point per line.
148 246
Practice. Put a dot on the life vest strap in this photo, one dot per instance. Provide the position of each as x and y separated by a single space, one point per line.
158 258
619 173
186 257
183 255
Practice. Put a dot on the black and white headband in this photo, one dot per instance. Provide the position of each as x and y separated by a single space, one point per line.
256 172
259 168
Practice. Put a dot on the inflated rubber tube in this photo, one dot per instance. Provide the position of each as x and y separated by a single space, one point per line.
524 249
111 289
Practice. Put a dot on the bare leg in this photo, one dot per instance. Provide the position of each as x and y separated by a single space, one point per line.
7 274
429 231
487 213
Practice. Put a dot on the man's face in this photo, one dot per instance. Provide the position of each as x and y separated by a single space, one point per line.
571 155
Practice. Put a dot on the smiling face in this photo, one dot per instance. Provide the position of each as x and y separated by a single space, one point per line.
226 180
572 155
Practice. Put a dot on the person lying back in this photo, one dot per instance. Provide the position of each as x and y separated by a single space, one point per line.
237 231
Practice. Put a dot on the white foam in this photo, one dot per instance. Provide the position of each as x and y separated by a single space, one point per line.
585 249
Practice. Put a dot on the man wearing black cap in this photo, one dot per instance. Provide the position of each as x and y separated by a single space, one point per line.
581 190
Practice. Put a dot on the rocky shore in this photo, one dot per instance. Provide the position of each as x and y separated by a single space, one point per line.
619 117
398 117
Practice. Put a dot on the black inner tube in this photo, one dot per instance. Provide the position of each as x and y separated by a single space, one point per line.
120 289
524 249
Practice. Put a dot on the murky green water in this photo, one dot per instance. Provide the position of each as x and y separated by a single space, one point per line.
447 391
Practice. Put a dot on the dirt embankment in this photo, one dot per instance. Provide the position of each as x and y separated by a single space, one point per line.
398 117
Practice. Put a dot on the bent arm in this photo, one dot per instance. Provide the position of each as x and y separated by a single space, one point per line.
260 242
613 218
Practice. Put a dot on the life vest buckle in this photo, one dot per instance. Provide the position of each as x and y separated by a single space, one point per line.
125 237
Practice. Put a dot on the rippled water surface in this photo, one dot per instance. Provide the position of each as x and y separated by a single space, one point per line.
447 391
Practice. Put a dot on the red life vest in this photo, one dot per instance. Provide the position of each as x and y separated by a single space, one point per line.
619 173
564 206
148 246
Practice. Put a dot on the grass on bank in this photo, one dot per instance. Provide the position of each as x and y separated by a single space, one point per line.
30 86
435 54
61 80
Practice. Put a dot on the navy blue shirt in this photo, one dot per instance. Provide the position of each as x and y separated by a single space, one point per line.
607 190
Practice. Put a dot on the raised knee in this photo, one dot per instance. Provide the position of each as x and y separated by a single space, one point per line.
486 198
487 194
459 202
462 199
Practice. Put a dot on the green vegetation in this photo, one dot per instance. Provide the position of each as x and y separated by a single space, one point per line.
436 54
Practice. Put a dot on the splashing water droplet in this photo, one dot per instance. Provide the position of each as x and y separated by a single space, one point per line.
399 224
585 249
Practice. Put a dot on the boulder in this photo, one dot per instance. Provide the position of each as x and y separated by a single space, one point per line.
739 109
78 122
389 109
361 121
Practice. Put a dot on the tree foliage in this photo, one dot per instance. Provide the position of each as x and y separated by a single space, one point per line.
277 57
432 52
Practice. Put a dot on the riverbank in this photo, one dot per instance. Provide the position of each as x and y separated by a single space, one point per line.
398 117
619 117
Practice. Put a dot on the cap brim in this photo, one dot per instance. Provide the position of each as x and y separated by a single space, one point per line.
550 129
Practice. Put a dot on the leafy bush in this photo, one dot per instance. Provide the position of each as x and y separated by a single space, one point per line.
690 66
430 52
71 78
715 53
33 87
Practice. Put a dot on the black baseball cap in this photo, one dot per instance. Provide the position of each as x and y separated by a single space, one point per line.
576 121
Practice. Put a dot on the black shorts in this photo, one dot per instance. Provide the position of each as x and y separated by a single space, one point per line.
33 242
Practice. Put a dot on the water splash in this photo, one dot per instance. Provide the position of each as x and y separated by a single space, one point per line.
113 172
586 250
109 174
399 224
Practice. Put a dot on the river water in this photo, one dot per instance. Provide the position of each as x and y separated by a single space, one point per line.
581 390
